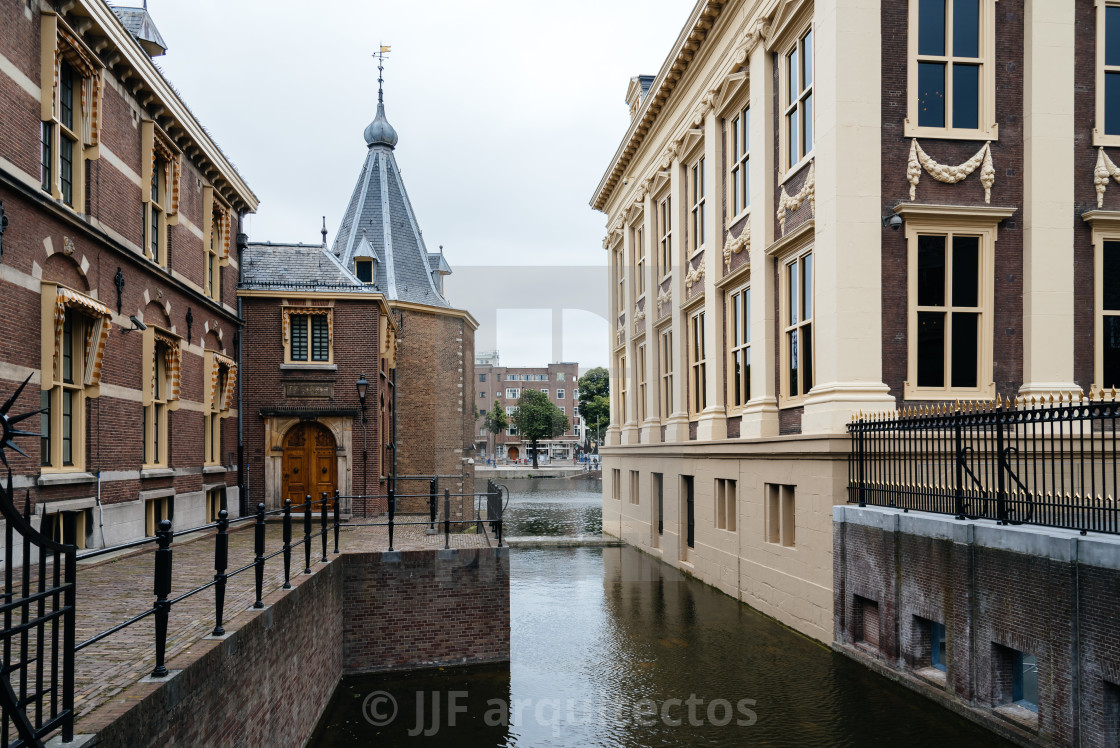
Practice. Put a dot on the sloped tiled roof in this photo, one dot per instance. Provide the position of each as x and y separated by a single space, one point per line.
296 267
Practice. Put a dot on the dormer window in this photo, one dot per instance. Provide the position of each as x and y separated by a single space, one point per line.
364 270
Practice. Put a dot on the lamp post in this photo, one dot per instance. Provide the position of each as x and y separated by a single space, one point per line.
362 385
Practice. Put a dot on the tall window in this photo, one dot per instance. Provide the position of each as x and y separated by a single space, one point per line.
221 379
1109 290
621 377
665 239
665 367
1108 74
639 261
952 73
620 282
740 162
154 417
63 419
949 311
60 140
739 349
797 351
213 253
696 201
309 338
697 364
641 383
154 225
797 77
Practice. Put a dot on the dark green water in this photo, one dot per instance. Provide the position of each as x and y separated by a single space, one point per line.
610 647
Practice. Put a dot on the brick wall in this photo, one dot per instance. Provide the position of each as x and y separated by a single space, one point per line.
425 610
997 590
358 613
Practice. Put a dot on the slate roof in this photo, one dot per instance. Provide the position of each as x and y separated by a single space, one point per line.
138 23
296 267
380 212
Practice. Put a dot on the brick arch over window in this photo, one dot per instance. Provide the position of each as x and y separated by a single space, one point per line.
61 268
211 342
155 313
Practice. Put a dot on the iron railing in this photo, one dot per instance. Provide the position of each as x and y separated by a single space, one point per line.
37 690
1045 461
37 672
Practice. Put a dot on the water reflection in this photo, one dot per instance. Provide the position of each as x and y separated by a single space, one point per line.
610 647
554 506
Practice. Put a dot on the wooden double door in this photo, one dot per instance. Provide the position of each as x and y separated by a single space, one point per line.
310 463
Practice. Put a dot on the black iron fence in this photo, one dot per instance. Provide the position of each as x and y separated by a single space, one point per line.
39 649
1044 461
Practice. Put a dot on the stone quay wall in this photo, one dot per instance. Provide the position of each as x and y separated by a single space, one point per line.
269 679
1000 592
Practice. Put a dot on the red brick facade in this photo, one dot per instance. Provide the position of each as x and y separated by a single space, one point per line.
84 247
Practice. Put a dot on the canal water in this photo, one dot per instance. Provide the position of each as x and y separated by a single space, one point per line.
610 647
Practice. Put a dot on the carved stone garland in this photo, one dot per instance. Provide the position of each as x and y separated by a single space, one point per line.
663 298
1105 168
919 160
735 245
694 276
808 192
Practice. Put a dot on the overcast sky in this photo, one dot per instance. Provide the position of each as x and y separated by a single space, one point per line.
508 113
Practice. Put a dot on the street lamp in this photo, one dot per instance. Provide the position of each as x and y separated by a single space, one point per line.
362 384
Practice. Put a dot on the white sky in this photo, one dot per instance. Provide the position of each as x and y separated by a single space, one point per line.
508 113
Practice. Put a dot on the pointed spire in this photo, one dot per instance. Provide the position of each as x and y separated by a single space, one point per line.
380 132
324 231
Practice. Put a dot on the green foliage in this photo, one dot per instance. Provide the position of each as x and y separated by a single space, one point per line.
496 421
538 418
594 400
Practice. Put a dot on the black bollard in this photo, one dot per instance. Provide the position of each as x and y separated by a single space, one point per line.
221 563
162 590
307 535
259 547
392 512
287 544
323 522
337 521
446 518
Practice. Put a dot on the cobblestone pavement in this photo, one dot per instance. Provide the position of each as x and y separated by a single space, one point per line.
113 591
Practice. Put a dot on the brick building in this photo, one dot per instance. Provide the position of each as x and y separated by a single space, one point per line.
503 385
118 277
371 306
807 187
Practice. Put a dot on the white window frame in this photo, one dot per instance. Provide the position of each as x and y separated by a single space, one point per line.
739 159
789 325
664 220
978 222
697 363
796 107
641 360
697 199
665 372
622 377
738 300
987 127
1100 137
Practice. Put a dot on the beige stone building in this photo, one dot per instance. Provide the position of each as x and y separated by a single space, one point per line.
876 204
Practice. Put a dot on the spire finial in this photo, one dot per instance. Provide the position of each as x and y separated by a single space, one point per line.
324 231
380 132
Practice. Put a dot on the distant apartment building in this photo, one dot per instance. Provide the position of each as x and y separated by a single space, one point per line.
504 385
825 208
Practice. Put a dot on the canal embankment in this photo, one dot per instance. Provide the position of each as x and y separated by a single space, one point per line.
267 680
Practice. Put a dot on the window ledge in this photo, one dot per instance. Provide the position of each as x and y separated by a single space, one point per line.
911 130
933 675
213 470
1101 139
66 479
161 472
1018 715
739 217
308 367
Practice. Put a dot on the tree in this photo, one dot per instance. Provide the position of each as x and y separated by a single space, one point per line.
595 401
537 418
496 421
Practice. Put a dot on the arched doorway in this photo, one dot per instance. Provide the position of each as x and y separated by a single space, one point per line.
513 453
310 465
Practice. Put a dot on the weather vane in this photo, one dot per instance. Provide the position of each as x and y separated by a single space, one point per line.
380 55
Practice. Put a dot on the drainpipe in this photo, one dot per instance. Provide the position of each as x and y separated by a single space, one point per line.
242 492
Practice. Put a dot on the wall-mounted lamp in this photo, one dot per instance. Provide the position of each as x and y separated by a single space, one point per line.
137 325
892 222
362 384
